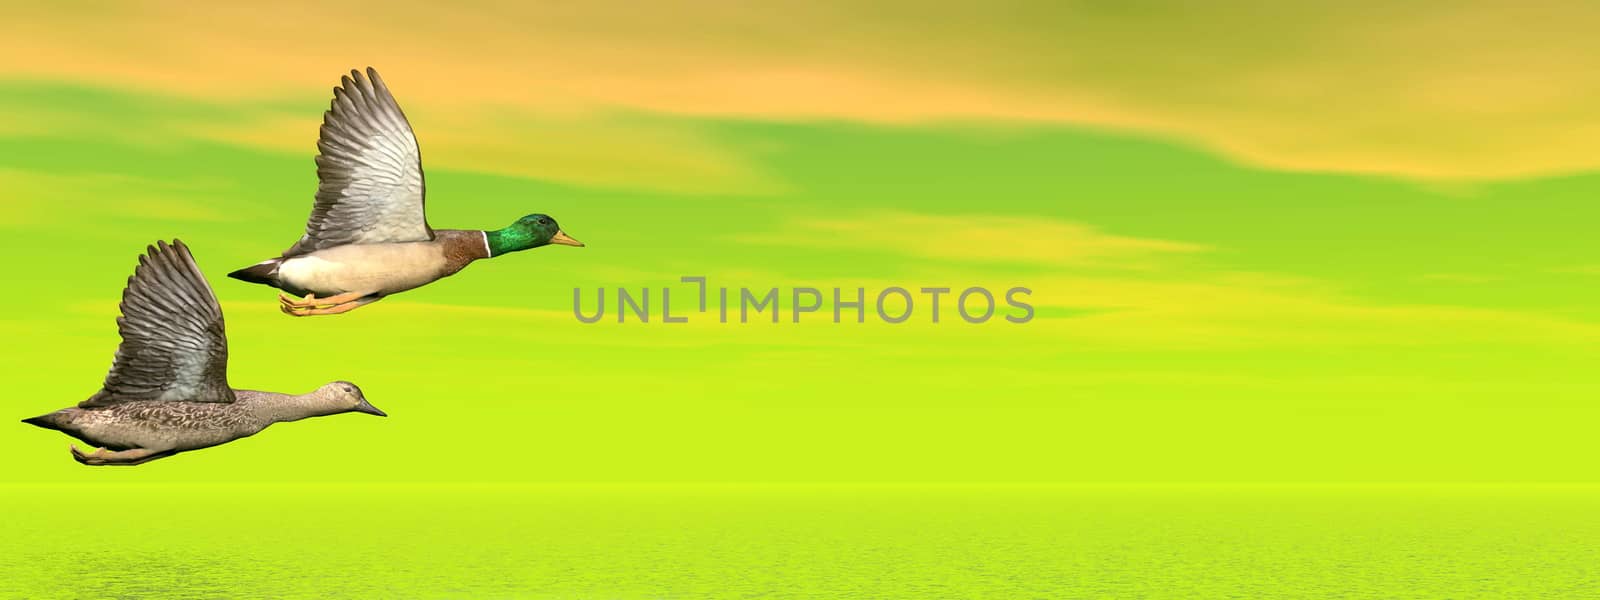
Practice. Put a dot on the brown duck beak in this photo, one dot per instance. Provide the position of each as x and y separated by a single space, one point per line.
367 407
562 238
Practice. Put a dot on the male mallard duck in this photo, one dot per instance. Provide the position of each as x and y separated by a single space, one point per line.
368 236
167 391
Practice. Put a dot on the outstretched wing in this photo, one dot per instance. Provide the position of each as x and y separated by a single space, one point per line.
173 344
370 170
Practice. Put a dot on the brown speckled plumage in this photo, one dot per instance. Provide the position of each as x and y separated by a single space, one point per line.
181 426
167 391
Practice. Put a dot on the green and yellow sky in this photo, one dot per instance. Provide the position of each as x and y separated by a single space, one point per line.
1267 241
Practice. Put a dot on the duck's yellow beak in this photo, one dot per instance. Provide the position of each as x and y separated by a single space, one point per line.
562 238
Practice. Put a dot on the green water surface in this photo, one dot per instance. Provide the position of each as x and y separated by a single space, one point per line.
798 541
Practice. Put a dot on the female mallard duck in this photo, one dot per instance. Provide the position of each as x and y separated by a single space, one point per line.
167 391
368 236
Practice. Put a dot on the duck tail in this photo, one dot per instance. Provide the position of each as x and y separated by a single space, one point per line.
262 272
55 421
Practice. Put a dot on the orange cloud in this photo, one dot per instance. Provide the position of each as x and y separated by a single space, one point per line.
1457 90
584 150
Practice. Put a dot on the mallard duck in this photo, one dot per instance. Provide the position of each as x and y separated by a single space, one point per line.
368 235
168 391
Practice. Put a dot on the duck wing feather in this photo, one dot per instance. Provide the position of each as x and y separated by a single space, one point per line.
371 188
174 347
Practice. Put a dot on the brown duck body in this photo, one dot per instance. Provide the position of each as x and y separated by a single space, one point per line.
172 427
371 269
167 391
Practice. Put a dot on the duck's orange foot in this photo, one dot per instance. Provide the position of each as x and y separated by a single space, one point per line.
312 301
101 456
287 301
332 305
328 309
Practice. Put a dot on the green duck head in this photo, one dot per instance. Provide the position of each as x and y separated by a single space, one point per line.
531 231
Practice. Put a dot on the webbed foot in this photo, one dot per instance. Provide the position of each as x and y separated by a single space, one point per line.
101 456
287 300
329 309
332 305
